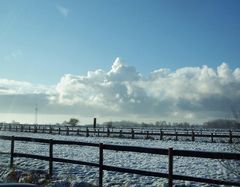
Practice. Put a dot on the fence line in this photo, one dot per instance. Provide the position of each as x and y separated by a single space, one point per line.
128 133
168 152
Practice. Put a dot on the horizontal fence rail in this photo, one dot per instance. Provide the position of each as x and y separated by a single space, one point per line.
228 136
168 152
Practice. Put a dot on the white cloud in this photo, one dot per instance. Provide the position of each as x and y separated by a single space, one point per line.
236 74
190 92
63 10
120 72
187 94
8 87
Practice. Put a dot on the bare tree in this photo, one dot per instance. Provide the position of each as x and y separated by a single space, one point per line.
73 121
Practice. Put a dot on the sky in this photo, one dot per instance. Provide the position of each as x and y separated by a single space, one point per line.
135 60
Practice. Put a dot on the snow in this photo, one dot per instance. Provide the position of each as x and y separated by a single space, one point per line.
63 173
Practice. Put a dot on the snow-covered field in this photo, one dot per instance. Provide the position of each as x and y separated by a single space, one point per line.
206 168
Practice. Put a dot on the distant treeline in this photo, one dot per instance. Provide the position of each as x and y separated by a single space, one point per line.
219 123
160 124
222 123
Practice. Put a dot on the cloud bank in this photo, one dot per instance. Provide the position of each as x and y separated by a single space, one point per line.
187 94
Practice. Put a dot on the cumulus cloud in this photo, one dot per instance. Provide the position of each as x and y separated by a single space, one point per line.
187 94
63 10
121 72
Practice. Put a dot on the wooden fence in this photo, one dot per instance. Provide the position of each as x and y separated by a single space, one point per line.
168 152
162 134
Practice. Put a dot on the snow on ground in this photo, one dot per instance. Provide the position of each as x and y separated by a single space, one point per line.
206 168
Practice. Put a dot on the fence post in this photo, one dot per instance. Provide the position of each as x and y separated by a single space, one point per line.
170 167
98 132
87 132
67 132
161 135
59 130
35 129
147 135
230 136
12 152
212 137
108 132
120 133
100 165
132 131
193 136
176 136
50 157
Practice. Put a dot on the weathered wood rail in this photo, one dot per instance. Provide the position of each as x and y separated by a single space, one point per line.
228 136
168 152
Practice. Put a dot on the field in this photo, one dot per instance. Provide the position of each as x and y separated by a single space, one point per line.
70 173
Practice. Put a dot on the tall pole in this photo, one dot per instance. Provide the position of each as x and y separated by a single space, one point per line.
94 123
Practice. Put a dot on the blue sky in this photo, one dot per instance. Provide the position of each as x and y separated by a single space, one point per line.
147 35
41 41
